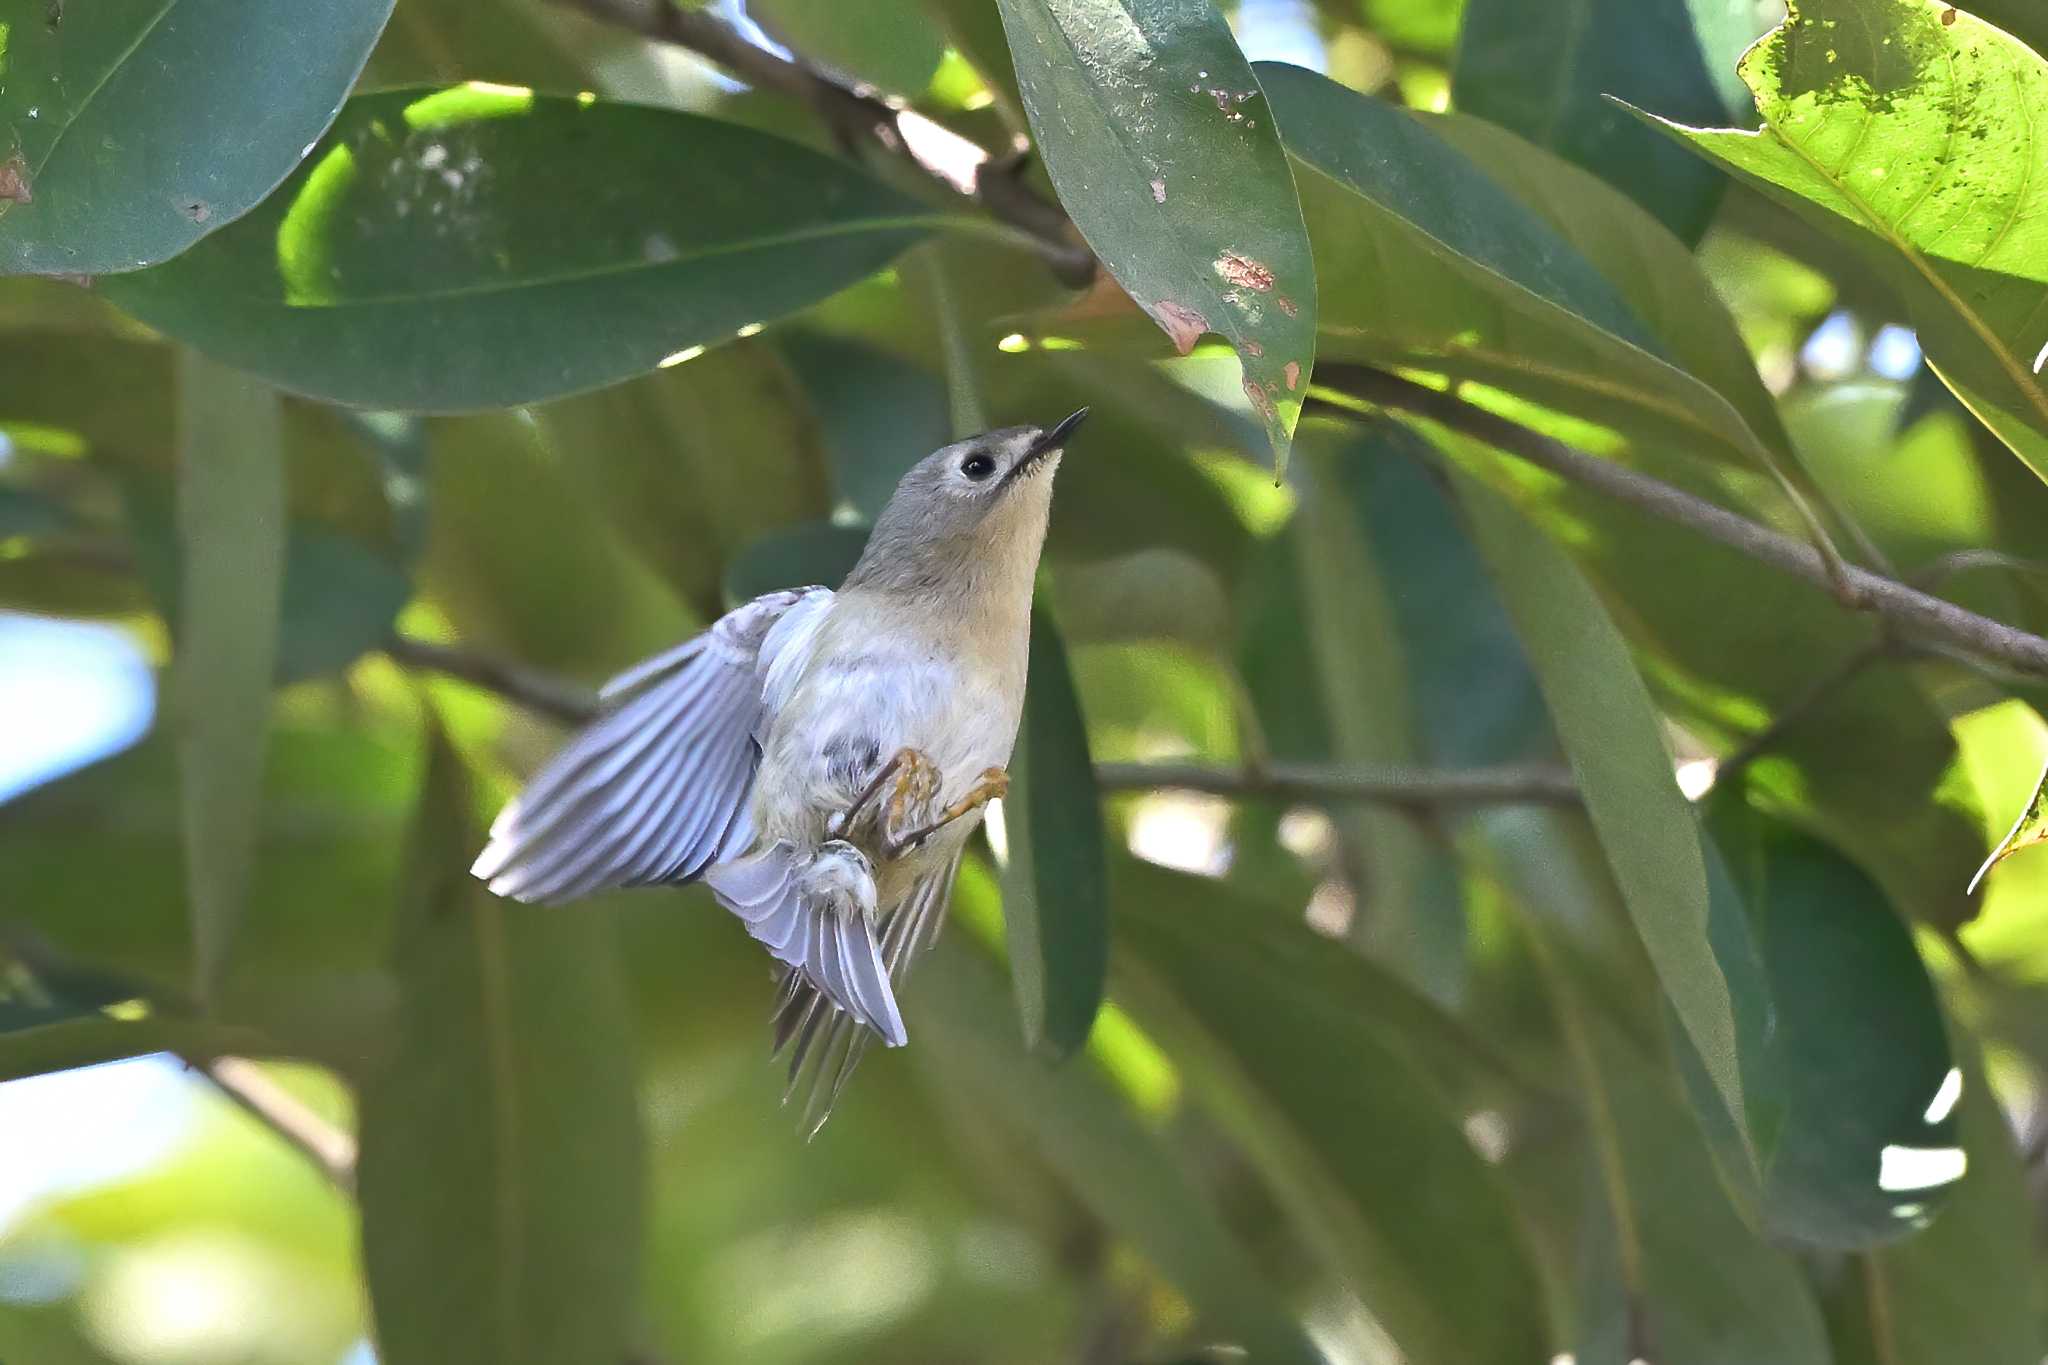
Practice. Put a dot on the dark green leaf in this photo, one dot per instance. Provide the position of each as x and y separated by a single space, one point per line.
1707 1290
1164 151
500 1177
1055 879
132 128
1614 738
479 246
1910 132
1548 79
1853 1124
879 413
817 554
231 537
1334 1076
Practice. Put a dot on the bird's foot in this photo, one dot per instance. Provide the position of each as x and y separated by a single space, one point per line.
909 776
992 785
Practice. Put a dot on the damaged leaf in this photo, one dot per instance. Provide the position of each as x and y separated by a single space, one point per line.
2030 829
1911 132
1159 140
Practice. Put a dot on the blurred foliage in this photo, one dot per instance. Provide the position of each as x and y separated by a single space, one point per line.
324 326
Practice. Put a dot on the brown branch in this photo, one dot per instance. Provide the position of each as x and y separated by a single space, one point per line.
1897 605
859 114
329 1148
1386 785
536 691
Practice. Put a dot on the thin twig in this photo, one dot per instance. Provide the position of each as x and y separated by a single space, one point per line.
1386 785
860 114
1539 785
1816 695
536 691
330 1149
1906 608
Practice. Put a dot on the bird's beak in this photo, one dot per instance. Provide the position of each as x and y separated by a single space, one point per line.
1056 439
1048 443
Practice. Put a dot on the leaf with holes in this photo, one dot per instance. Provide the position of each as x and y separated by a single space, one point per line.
129 129
482 246
1163 149
1914 133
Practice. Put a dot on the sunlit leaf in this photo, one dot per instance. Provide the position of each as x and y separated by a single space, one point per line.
1164 151
133 129
500 1177
1910 131
2031 828
1055 880
483 246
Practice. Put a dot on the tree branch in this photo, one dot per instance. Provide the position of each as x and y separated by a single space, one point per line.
1388 785
329 1148
551 696
1893 602
1385 785
859 114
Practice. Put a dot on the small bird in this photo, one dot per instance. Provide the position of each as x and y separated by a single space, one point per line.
818 758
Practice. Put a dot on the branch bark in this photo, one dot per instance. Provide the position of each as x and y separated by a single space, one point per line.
1908 609
1388 785
329 1148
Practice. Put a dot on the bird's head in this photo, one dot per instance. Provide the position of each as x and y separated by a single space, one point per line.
970 513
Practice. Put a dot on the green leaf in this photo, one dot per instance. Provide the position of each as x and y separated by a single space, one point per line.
482 246
1084 1130
1428 264
1659 279
1910 131
1614 739
231 531
130 130
1163 149
887 43
1334 1077
694 461
2029 829
1547 81
1851 1111
1687 1274
878 412
1965 1288
500 1178
1055 878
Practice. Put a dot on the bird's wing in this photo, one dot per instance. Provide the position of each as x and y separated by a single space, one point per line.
655 789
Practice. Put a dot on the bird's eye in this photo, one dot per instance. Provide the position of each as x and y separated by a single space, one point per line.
977 467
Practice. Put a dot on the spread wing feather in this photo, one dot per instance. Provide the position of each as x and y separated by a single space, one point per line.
655 789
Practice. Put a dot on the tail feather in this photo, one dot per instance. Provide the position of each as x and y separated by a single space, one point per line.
825 1040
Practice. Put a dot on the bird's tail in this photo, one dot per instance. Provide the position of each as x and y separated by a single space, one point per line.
839 960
